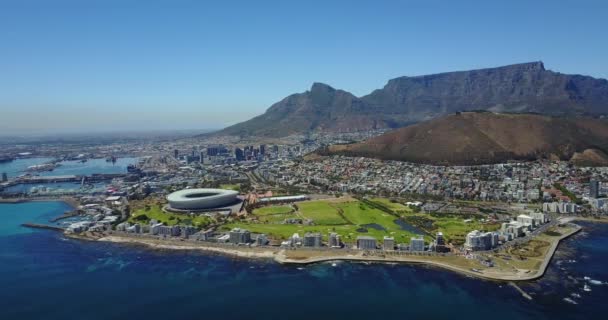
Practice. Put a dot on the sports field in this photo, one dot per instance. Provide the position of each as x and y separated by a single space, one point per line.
320 212
270 210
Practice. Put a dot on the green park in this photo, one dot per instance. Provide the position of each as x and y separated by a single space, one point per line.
350 218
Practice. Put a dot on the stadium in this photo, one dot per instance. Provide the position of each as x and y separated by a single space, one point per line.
188 200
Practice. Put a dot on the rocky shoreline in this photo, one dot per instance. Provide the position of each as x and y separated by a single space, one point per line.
304 256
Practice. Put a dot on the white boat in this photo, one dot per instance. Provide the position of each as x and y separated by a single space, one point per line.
575 295
586 278
586 288
334 264
570 301
595 282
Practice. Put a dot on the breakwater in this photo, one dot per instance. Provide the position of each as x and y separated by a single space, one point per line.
42 226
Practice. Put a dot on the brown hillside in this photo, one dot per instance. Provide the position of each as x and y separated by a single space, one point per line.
483 137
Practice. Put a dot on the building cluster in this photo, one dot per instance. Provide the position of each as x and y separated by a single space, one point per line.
96 214
524 224
561 207
508 182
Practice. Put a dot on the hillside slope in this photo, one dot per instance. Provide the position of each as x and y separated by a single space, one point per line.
484 137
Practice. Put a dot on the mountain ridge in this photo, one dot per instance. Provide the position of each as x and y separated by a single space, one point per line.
516 88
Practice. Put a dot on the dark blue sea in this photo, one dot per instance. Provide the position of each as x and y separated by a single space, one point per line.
45 276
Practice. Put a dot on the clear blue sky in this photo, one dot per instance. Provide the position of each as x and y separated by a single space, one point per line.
136 65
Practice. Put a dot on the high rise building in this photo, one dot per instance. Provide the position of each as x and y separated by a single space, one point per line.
312 240
261 240
366 243
477 240
440 243
594 188
238 235
4 177
262 149
439 239
176 153
239 154
389 243
213 150
334 240
417 243
187 231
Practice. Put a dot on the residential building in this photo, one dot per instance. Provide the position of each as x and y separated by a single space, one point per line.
187 231
238 235
594 188
388 243
366 243
312 240
478 241
334 240
261 240
417 243
526 220
440 243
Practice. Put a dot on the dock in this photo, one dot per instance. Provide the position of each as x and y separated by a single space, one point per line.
42 226
65 216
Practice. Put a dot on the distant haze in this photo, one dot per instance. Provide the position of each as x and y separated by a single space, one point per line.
86 66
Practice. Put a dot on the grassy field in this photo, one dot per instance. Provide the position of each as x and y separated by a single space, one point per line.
235 187
276 218
395 206
321 212
453 226
351 218
263 211
144 216
455 229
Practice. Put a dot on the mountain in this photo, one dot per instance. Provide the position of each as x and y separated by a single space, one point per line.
484 137
526 87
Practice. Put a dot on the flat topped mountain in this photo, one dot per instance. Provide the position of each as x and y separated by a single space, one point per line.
526 87
483 137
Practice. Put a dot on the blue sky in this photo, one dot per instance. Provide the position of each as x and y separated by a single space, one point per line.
139 65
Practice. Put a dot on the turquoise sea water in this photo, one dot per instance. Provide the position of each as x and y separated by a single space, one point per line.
13 215
45 276
90 167
17 167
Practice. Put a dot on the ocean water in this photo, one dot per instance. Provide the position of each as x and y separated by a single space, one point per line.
19 188
91 166
17 167
45 276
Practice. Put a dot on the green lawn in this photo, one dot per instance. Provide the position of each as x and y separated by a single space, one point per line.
395 206
276 218
235 187
453 227
272 210
327 216
348 233
143 216
321 212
